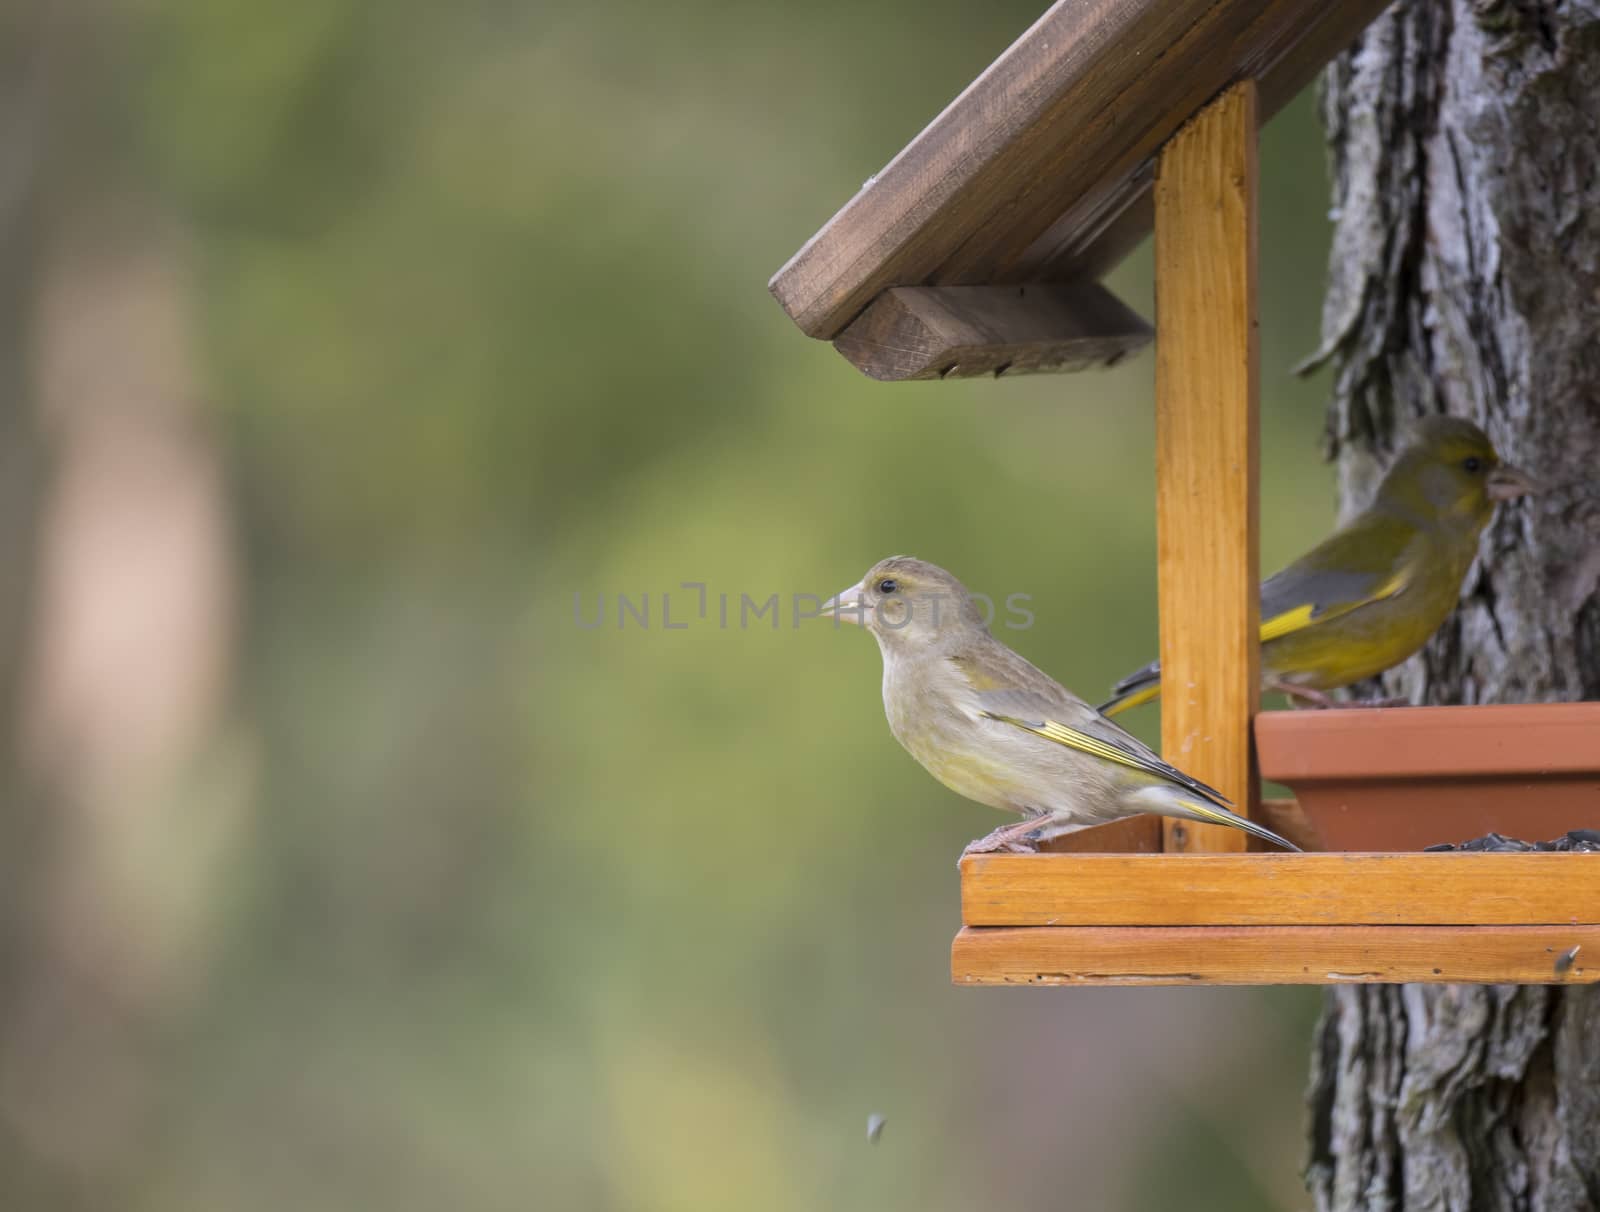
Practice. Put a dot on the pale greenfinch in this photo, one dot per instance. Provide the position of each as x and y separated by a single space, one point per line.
1373 593
992 727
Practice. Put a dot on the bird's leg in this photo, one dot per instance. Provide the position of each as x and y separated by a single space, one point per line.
1299 696
1013 838
1304 696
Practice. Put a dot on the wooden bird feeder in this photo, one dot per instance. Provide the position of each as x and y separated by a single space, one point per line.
977 251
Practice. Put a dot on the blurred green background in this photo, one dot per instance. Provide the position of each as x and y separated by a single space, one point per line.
354 353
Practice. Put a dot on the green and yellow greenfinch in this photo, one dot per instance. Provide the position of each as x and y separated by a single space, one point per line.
993 728
1370 595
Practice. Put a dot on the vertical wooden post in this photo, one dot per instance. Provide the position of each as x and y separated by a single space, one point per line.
1207 488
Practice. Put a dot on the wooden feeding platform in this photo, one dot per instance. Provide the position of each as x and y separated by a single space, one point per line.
1132 915
978 251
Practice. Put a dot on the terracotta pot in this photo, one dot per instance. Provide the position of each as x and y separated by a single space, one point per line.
1408 777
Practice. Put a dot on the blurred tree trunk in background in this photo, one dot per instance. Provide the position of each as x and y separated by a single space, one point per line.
1465 278
116 618
22 148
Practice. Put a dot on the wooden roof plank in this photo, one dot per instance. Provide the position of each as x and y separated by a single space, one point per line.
942 332
1276 955
1040 169
932 197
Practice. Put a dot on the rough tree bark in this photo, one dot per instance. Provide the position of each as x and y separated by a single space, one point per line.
1465 278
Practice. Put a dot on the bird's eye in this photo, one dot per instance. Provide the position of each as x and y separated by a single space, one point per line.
887 586
1473 464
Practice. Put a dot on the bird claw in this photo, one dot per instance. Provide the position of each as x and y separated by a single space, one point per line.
982 847
1019 838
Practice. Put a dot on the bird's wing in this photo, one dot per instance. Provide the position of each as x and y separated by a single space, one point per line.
1111 751
1013 692
1362 564
1366 562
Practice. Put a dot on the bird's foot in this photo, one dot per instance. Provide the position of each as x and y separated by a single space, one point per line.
1392 701
1020 837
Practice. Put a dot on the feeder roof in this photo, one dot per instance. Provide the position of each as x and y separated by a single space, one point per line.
1040 172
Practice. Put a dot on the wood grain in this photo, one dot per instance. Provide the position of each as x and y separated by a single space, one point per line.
1041 169
959 332
1207 495
1530 888
1131 835
1276 955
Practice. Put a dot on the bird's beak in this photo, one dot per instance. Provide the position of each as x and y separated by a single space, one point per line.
1507 483
846 606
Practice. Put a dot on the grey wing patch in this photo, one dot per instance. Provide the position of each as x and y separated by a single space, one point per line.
1315 580
1023 705
1319 589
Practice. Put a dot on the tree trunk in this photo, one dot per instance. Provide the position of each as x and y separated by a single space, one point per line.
116 620
1465 278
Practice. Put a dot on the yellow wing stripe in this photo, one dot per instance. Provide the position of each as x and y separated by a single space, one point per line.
1137 699
1218 816
1084 743
1295 619
1063 735
1212 815
1303 616
1289 620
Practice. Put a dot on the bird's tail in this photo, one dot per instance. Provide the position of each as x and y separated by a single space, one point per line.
1135 690
1212 814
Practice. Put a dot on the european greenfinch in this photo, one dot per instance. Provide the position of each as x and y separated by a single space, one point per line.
992 727
1369 596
